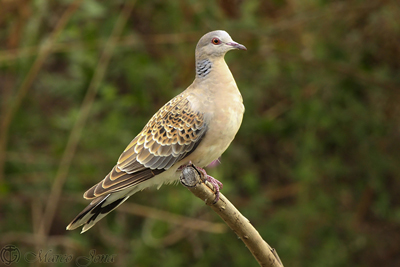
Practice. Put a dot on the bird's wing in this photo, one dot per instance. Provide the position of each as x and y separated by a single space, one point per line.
170 135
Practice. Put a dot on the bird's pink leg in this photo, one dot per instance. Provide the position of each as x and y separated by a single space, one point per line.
215 163
217 184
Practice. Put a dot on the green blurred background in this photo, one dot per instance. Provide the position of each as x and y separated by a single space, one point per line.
315 166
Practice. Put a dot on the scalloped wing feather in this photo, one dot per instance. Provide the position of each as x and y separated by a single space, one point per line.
171 134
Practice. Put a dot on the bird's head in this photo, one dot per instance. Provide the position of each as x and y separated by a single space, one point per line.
216 44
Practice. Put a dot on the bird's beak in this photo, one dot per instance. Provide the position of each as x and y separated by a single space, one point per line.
235 45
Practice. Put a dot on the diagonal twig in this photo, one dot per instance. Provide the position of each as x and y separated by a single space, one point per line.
76 131
45 50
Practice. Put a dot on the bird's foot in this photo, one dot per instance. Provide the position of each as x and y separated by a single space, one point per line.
216 184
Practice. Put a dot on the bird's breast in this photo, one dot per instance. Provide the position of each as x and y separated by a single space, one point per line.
225 117
228 117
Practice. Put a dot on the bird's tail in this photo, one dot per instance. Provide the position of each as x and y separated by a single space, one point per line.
95 211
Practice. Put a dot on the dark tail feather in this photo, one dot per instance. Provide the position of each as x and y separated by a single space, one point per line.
94 212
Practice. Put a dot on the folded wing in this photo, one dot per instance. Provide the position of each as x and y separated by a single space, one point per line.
170 135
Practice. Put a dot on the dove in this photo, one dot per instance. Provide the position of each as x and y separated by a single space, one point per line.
195 127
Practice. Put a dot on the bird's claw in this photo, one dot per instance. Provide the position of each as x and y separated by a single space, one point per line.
216 184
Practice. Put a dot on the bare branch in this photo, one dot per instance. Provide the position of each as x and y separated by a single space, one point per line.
195 224
193 180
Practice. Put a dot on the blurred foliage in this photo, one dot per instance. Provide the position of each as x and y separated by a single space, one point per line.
315 166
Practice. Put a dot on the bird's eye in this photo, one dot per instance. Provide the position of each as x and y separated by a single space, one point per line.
216 41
